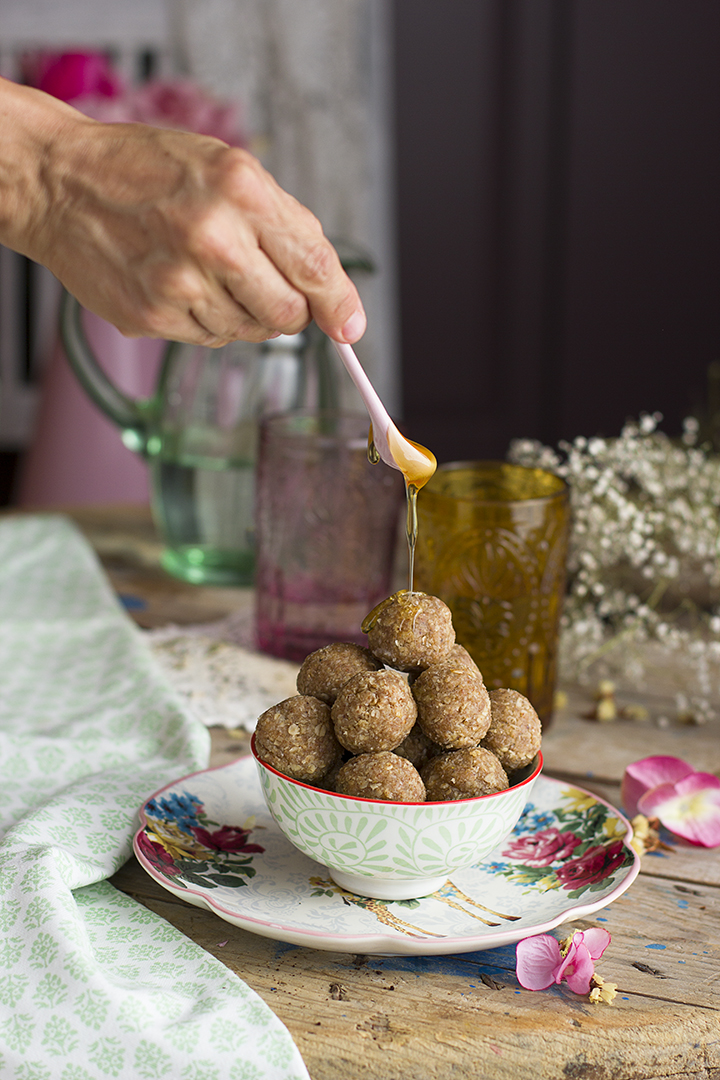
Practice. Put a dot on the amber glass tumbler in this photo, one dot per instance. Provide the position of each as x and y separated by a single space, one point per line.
492 543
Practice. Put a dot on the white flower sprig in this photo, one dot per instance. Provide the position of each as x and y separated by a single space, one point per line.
644 560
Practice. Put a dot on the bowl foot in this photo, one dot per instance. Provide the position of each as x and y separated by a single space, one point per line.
388 888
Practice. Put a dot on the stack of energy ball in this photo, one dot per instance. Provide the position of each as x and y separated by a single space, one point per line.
408 719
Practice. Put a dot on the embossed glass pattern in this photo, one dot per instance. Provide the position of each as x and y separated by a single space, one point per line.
492 544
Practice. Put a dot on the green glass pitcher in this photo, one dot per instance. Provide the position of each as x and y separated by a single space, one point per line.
198 433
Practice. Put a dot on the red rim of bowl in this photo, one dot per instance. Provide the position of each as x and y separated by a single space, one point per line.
388 802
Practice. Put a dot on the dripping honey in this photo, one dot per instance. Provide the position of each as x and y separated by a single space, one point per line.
417 465
372 450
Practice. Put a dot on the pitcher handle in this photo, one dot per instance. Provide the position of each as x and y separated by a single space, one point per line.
128 414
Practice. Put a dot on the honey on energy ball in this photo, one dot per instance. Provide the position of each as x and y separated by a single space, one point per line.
325 671
297 738
410 630
424 728
380 776
374 711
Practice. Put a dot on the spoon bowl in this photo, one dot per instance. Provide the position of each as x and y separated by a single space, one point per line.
415 462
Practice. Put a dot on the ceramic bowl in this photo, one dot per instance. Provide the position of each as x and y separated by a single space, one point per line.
391 850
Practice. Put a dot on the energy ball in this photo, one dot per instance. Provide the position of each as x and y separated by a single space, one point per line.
463 774
453 704
325 671
374 711
417 748
297 738
459 655
329 779
381 776
515 732
410 630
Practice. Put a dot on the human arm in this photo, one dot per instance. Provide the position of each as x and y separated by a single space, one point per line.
164 233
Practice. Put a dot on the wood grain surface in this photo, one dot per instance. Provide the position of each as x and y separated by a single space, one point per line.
464 1017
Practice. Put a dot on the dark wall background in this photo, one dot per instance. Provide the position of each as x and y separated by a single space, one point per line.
558 190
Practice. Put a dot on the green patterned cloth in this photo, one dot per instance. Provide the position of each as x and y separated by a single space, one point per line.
92 984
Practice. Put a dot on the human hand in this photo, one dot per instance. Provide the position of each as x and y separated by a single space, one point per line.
174 235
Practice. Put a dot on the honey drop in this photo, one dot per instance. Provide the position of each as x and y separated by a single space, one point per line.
371 618
372 450
417 464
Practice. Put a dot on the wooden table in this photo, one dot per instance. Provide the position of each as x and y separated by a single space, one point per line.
464 1016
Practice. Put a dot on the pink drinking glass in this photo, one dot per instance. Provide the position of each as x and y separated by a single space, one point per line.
327 526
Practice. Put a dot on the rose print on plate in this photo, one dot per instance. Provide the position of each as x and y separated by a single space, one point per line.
577 846
182 843
210 839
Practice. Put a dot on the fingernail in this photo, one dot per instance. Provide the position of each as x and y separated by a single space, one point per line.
354 328
277 333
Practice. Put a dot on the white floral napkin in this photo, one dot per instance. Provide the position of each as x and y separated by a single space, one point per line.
92 984
220 682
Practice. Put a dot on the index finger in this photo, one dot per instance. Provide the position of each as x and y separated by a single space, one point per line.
293 240
297 246
312 265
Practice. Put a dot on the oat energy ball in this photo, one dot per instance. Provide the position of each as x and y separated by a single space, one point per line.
459 655
453 704
410 630
381 776
515 732
328 780
325 671
297 738
374 711
463 774
417 748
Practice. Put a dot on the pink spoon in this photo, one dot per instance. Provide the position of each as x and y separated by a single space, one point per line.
415 462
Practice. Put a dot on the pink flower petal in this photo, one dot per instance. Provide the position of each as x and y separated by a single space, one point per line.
701 833
596 941
697 781
648 773
538 959
651 801
577 968
689 808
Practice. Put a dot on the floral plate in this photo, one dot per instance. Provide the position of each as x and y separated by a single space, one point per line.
209 839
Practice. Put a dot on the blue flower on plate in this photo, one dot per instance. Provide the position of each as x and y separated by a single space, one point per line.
542 820
523 822
182 809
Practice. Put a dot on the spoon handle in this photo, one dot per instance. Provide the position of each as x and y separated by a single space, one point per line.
379 415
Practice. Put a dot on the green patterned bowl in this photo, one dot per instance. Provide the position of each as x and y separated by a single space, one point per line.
391 850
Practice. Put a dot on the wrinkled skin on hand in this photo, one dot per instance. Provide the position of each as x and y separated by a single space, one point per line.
165 233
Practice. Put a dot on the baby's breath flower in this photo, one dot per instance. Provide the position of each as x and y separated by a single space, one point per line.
644 559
